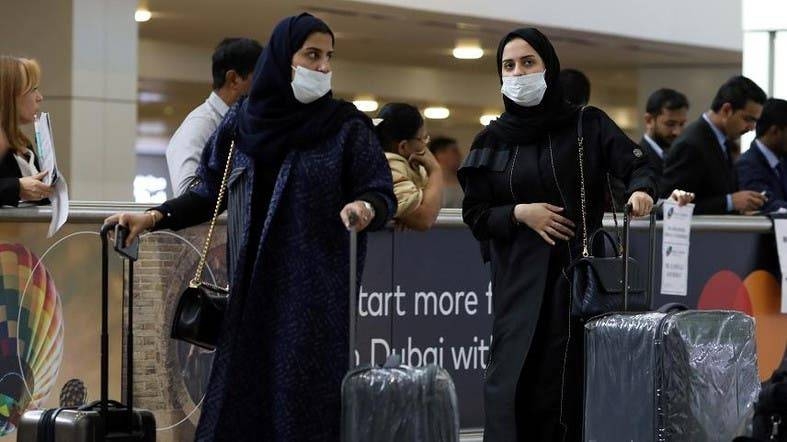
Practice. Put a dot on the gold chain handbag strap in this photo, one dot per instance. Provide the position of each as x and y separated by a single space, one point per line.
581 145
582 196
204 256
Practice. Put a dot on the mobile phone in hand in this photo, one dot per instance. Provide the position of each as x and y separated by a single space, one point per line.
131 252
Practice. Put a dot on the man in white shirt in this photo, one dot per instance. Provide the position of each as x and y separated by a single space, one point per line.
233 69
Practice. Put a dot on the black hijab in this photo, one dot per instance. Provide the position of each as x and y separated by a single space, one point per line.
524 125
272 121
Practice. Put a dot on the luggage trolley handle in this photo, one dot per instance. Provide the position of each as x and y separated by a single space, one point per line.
626 252
651 252
353 313
104 404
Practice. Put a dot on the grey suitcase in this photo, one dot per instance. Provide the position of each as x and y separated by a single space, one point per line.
395 402
81 425
689 376
102 420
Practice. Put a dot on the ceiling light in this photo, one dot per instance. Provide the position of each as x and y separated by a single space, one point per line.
468 53
468 49
150 97
437 113
487 118
142 15
365 105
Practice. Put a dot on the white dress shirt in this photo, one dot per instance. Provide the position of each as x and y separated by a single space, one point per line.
185 147
655 146
26 163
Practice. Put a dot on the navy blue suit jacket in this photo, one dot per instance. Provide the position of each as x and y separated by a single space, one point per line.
754 173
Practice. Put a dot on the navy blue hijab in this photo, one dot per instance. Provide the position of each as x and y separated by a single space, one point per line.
272 122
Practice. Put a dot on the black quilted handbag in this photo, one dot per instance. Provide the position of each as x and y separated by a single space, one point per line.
200 310
598 283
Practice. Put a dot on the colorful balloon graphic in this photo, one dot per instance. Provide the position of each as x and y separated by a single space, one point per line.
758 295
31 333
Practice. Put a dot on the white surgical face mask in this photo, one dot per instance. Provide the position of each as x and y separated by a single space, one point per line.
309 86
525 90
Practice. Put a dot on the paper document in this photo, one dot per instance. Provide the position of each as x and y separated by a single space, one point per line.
780 227
675 248
48 162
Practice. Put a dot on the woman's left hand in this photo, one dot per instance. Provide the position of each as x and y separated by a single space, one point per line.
641 203
682 197
363 215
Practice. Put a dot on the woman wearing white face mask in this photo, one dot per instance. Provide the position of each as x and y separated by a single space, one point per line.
522 199
302 163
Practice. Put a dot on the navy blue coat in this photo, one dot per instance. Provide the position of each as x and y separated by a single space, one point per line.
282 354
754 173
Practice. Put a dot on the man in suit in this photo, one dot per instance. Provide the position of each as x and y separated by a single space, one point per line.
763 168
666 113
700 160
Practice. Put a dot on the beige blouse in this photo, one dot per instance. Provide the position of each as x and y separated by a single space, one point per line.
408 184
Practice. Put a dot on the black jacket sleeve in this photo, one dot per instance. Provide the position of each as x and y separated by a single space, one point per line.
683 170
626 160
755 178
381 214
486 221
9 192
189 209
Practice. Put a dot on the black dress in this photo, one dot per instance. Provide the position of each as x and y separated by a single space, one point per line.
533 386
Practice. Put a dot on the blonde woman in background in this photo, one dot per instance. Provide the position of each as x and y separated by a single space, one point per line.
20 179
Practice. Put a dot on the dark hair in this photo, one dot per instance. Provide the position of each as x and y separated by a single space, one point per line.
774 113
401 121
576 87
439 144
738 91
665 98
236 54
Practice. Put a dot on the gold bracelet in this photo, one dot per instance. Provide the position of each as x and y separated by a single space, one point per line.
153 216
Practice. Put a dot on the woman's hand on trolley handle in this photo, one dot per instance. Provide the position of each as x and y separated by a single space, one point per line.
641 203
135 222
546 220
357 214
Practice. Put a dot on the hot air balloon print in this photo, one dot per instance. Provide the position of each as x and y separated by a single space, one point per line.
31 333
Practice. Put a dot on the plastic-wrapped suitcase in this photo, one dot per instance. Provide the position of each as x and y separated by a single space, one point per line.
102 420
400 403
395 403
687 376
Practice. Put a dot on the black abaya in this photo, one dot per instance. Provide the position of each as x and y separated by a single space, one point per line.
536 359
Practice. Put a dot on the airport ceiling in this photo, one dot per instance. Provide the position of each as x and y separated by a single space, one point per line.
386 35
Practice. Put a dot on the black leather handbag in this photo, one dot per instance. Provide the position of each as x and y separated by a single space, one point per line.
604 283
613 283
200 310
